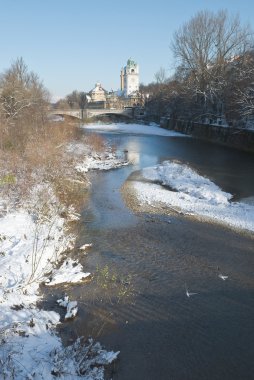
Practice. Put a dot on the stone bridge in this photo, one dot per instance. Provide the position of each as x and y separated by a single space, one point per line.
93 112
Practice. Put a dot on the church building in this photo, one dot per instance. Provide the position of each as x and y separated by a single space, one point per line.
129 79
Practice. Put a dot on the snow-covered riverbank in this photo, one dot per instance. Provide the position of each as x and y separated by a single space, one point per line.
34 240
178 186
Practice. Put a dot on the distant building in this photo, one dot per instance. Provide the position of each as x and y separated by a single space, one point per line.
98 94
129 79
127 96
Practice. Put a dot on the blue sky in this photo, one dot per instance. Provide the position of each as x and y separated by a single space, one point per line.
73 44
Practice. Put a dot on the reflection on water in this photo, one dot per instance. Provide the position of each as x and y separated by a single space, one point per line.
133 152
230 169
161 333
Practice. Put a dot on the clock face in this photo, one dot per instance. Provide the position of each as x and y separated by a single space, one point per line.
133 80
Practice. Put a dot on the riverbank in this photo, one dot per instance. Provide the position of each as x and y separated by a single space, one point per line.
36 241
239 138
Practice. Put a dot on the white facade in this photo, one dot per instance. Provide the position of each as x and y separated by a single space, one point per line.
98 94
130 78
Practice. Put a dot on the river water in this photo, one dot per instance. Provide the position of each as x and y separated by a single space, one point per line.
142 264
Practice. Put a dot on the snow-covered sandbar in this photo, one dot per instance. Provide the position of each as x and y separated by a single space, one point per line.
176 185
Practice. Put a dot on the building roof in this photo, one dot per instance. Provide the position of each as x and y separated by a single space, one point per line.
98 88
130 62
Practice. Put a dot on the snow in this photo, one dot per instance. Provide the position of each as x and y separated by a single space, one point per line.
30 246
26 344
142 129
72 309
183 179
26 359
182 188
83 360
69 272
32 242
63 302
90 159
71 306
28 249
85 246
101 161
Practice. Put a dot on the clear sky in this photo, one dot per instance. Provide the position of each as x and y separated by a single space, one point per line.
73 44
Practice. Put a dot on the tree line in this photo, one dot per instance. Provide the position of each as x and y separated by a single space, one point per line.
214 74
74 100
213 80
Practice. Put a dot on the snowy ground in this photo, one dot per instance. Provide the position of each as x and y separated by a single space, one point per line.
94 160
176 185
152 129
103 161
33 241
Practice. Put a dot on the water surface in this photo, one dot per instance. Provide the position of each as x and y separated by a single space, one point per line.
161 333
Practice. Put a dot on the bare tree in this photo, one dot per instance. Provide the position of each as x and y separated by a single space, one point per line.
244 87
205 47
62 104
246 100
160 76
22 93
73 99
82 100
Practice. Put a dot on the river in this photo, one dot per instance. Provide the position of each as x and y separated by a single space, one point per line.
142 264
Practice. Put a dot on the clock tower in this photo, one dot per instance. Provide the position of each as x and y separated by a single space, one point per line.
130 78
